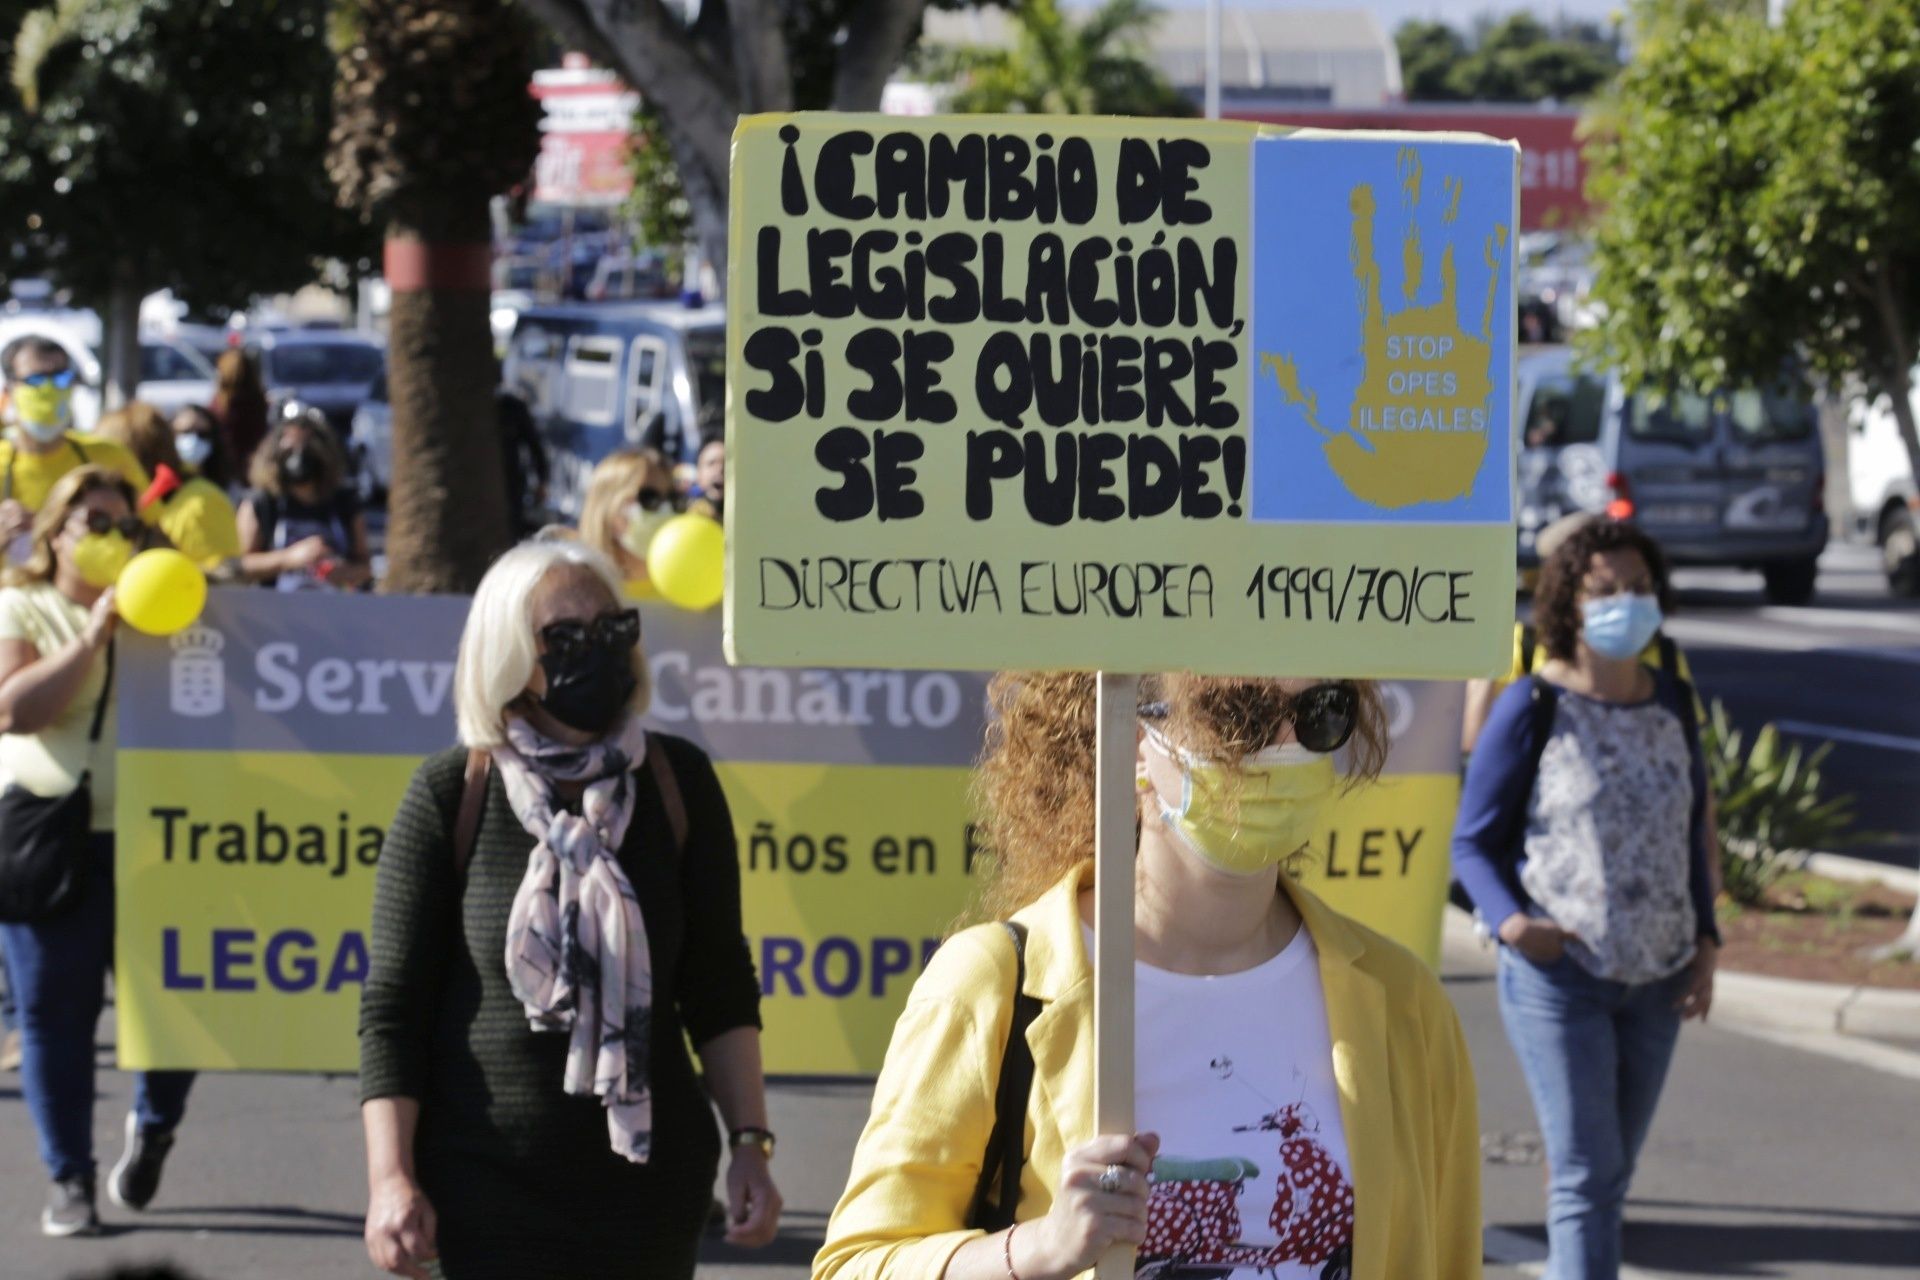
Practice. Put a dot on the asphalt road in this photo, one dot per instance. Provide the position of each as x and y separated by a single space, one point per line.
1764 1162
1845 669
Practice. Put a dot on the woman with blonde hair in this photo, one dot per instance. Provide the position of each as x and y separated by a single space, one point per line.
556 916
300 525
194 513
629 496
1303 1093
57 624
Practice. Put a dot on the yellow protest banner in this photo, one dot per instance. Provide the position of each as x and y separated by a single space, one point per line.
1134 395
265 751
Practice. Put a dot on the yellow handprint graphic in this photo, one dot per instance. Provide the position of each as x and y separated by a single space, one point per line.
1422 417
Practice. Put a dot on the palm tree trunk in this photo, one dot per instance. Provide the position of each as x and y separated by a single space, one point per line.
447 509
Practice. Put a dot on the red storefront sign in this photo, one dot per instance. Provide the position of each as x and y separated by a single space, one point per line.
583 137
1553 173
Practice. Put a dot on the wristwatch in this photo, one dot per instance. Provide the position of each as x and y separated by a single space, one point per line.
760 1139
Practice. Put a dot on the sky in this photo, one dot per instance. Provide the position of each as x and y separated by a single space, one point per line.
1459 13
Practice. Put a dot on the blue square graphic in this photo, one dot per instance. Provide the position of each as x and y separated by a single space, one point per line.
1383 330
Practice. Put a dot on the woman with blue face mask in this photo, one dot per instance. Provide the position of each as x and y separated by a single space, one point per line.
1304 1101
1582 842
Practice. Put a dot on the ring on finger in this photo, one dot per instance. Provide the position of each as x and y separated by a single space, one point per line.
1110 1180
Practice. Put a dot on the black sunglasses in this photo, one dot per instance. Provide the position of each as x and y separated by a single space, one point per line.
651 499
101 523
570 637
1323 715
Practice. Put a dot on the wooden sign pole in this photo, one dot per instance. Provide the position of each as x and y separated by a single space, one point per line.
1113 856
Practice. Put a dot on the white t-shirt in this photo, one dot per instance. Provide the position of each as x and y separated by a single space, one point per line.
1235 1073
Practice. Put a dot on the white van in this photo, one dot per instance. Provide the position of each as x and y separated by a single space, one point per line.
1886 506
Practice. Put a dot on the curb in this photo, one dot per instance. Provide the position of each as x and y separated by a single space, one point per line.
1822 1017
1839 866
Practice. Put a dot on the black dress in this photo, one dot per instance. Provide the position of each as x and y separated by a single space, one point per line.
520 1174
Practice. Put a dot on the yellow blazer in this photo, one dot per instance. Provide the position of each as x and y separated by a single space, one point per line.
1399 1058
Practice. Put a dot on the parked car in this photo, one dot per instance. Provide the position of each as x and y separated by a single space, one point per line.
1732 478
332 370
370 444
1886 506
600 378
173 375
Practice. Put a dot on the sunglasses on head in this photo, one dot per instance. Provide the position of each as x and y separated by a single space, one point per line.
569 636
1323 715
60 381
103 524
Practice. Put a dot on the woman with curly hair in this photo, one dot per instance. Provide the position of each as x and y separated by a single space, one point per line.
1582 840
1303 1092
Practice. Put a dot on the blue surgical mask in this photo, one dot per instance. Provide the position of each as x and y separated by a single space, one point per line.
194 449
1619 627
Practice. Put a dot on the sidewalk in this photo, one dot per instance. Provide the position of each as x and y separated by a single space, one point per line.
1765 1161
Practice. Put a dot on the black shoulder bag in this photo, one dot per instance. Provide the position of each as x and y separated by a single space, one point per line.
997 1195
43 865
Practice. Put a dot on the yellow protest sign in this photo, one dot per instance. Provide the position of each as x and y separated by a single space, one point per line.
1027 392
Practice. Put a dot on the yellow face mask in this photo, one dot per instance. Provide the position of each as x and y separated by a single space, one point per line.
43 412
1247 826
99 558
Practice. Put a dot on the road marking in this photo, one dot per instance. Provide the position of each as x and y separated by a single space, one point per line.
1860 737
1736 636
1906 626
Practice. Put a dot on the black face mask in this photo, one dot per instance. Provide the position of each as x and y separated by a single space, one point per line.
589 689
300 465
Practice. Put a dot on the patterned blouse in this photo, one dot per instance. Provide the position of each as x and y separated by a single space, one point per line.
1606 839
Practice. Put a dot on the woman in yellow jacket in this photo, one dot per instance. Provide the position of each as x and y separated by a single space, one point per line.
1302 1087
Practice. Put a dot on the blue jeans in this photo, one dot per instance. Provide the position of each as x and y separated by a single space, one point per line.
1595 1054
59 971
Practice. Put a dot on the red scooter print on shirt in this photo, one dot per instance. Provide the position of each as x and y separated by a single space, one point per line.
1193 1210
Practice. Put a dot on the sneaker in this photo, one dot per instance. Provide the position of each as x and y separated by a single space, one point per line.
10 1051
137 1177
69 1210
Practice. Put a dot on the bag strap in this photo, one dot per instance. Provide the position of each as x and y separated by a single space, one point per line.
99 716
996 1196
1529 644
670 798
473 801
1669 654
1545 698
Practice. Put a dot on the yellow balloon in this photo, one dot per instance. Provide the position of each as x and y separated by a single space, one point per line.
161 592
687 561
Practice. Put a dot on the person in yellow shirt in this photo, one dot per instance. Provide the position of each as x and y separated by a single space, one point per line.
40 444
194 513
630 494
1304 1100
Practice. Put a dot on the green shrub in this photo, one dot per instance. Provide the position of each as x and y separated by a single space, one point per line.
1771 812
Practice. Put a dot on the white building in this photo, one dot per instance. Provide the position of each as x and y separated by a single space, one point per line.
1328 57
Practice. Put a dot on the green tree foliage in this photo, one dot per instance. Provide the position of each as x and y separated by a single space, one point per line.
1759 188
1515 59
658 207
1062 64
149 144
